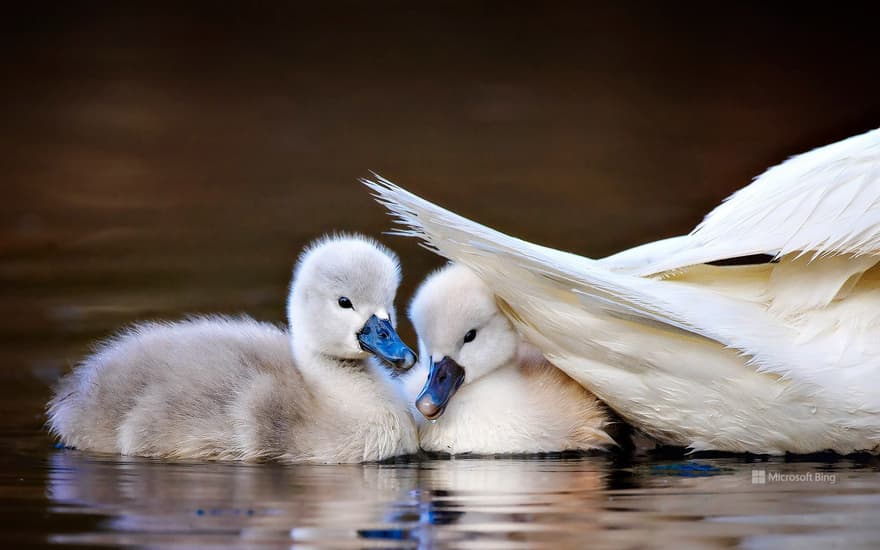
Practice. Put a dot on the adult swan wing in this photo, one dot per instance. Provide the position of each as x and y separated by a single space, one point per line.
769 358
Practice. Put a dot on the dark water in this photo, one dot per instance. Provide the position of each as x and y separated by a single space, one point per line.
158 163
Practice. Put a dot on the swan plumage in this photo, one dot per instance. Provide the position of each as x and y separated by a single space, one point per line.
510 399
769 358
236 389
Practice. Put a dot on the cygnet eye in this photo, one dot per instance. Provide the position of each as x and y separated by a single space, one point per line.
471 334
345 303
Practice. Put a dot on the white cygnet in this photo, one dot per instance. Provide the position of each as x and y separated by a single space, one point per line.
507 397
236 389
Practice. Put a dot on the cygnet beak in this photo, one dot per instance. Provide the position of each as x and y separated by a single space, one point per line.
444 379
379 338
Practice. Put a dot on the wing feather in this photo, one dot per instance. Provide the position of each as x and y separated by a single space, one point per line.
523 273
822 203
579 306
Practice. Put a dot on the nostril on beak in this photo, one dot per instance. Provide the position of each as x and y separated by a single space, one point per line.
406 362
383 334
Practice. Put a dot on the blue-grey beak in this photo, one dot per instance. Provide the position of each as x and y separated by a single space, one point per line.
379 338
444 379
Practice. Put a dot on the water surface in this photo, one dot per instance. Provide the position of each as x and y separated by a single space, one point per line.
485 503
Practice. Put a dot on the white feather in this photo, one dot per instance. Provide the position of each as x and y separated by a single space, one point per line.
773 358
821 203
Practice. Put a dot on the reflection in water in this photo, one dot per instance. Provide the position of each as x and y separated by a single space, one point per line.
149 502
507 503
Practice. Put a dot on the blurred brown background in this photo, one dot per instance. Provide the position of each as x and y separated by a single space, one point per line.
159 161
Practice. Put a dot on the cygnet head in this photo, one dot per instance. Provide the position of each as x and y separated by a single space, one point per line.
462 334
341 302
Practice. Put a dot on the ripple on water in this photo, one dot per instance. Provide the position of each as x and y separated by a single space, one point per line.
493 503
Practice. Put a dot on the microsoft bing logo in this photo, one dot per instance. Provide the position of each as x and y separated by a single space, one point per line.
763 477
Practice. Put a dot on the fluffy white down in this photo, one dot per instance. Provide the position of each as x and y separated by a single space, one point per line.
236 389
512 400
771 358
